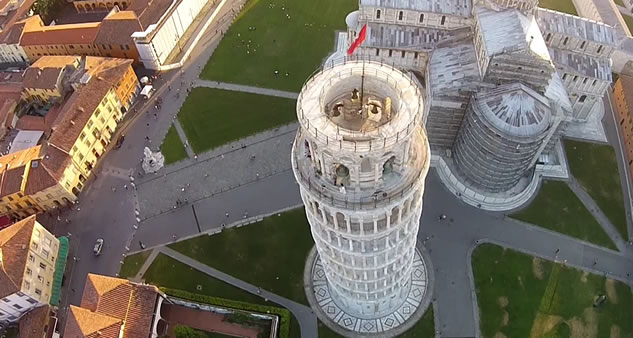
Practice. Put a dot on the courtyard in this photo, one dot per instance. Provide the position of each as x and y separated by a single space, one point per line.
276 43
521 295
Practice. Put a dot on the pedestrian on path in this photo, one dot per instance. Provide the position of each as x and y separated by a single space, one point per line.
227 215
125 186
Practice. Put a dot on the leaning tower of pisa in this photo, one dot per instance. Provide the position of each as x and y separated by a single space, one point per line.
361 157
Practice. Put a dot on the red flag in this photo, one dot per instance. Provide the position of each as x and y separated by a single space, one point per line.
358 41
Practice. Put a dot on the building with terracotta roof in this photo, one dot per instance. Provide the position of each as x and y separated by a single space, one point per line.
37 323
89 96
11 12
623 94
115 308
28 256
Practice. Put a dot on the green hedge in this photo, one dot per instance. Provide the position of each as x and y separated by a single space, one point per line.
284 314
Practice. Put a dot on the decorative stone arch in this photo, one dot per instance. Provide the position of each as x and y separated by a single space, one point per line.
393 218
365 165
389 165
342 174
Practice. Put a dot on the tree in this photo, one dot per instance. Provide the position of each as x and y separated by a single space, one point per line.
182 331
47 9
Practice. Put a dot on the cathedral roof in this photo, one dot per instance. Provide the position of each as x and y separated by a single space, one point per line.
516 110
450 7
575 26
592 67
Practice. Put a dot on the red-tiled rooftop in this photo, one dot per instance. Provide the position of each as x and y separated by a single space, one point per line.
14 245
83 33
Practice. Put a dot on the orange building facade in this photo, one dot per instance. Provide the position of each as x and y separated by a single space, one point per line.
623 95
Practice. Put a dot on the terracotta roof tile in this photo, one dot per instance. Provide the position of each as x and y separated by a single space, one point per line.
33 323
55 161
149 11
30 122
44 78
39 179
133 303
83 33
83 323
14 244
13 34
12 181
118 31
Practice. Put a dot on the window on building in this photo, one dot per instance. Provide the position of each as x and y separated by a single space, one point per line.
377 14
42 266
38 292
17 306
110 47
103 46
403 54
31 300
29 203
621 122
549 37
415 55
82 136
390 52
45 253
585 81
594 82
49 195
29 271
89 124
565 40
127 47
47 242
71 46
422 18
599 49
564 76
582 98
10 198
6 300
443 20
31 258
121 46
400 15
575 78
582 45
377 52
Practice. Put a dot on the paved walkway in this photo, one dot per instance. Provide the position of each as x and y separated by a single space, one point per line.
148 262
183 138
593 208
307 319
245 89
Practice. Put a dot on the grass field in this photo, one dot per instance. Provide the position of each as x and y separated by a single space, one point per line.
168 272
565 6
524 296
172 147
557 208
270 254
133 263
596 168
629 23
288 36
213 117
619 2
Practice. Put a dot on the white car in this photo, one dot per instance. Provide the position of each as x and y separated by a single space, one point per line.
98 247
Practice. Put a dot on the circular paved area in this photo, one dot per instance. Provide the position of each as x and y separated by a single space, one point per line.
391 325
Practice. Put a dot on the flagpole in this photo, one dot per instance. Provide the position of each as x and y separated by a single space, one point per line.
362 88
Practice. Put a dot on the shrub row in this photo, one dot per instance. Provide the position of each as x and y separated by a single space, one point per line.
284 314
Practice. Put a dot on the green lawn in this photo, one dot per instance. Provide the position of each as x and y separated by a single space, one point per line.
557 208
424 328
565 6
133 263
596 168
168 272
620 3
270 254
263 39
523 296
213 117
628 21
172 147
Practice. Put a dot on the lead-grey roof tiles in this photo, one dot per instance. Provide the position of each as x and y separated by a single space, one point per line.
451 7
575 26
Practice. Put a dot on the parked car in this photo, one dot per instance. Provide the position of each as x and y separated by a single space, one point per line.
119 141
98 247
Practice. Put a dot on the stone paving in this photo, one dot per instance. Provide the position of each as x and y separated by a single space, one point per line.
245 89
227 167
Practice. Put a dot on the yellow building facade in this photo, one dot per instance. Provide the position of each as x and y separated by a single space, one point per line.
29 254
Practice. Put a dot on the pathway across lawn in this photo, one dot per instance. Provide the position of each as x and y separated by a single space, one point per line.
213 117
290 37
596 168
172 147
524 296
557 208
